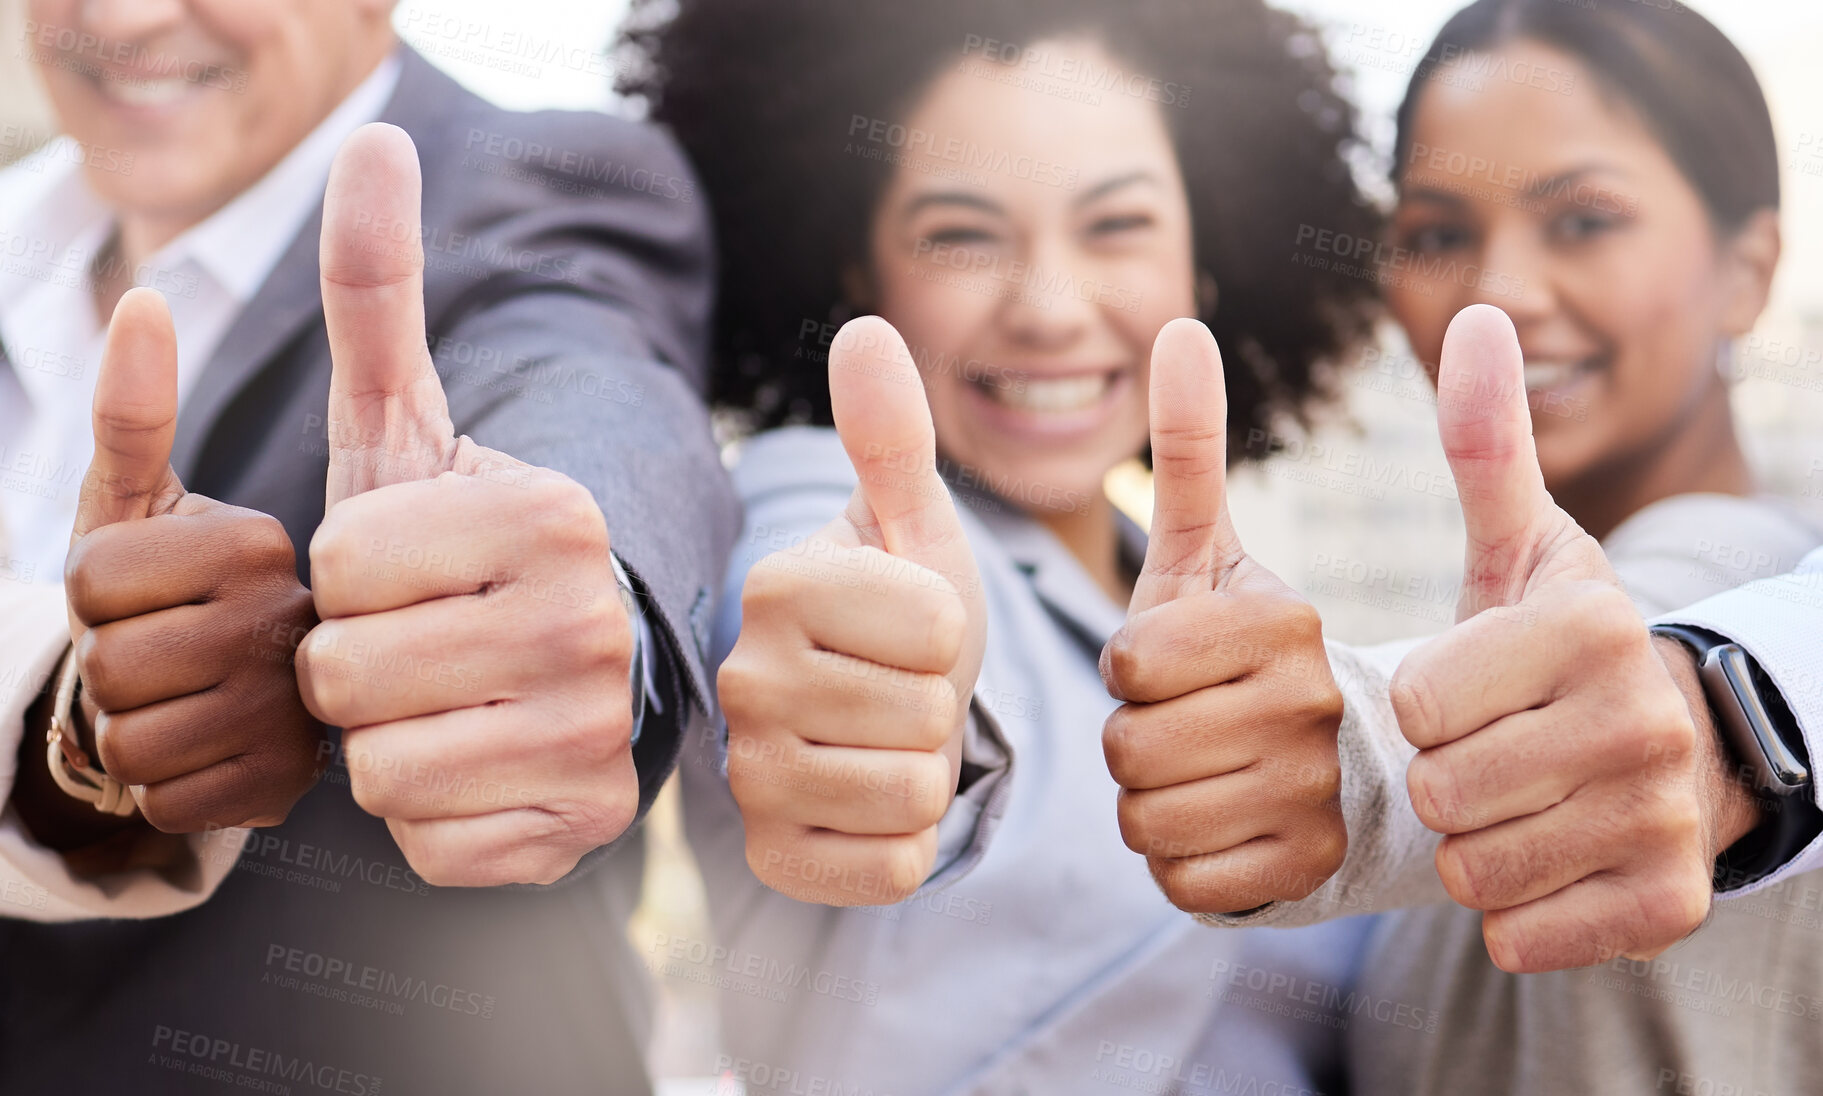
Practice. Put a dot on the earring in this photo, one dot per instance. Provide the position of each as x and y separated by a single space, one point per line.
1208 295
1724 363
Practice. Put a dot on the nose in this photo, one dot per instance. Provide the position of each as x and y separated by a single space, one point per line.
1050 305
131 20
1515 276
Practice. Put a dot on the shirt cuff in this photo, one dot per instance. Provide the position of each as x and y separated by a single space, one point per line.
36 883
1775 621
967 827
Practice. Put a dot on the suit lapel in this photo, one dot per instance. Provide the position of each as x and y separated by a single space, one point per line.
290 298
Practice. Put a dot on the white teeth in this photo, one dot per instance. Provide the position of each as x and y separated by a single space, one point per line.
1548 375
146 93
1054 396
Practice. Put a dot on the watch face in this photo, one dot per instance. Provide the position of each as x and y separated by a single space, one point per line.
1742 713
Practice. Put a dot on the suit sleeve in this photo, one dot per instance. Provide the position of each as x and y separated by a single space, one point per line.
35 882
1779 621
584 356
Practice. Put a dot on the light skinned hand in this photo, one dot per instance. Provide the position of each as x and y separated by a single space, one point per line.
1556 755
847 691
473 644
1225 748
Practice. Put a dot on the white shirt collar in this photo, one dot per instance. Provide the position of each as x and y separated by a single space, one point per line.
238 245
244 240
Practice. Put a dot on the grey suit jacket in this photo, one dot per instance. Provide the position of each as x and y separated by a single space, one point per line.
567 293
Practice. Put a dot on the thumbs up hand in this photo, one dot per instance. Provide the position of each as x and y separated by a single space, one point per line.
848 689
1580 807
184 612
473 642
1225 749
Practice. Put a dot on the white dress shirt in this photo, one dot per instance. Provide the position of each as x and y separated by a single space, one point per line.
52 226
1779 621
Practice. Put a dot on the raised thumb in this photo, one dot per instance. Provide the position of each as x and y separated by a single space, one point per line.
135 417
388 421
1486 426
902 504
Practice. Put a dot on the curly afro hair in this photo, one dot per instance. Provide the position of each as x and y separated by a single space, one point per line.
762 94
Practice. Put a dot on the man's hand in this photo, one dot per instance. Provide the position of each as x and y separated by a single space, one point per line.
847 692
1556 754
184 612
473 645
1225 749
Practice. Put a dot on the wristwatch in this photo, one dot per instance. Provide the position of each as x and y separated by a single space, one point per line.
1762 735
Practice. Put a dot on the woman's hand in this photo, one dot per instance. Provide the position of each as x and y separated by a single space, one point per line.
847 692
1225 749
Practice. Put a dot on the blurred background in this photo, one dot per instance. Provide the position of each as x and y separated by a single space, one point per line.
1302 514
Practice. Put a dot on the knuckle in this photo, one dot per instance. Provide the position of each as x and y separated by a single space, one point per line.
935 715
1435 792
948 629
335 551
121 749
84 572
1463 872
905 864
771 583
1128 660
1417 706
1507 945
927 799
98 663
1123 744
1138 819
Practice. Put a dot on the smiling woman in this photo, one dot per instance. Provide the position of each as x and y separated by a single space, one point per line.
1033 194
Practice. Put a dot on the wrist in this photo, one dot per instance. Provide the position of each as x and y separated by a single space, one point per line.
1731 808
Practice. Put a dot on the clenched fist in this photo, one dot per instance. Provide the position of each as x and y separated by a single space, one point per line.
184 612
1225 749
1579 806
473 643
847 691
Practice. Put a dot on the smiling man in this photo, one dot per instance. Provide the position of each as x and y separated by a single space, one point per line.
469 398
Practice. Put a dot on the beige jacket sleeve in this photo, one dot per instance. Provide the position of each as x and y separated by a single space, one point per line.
35 882
1391 861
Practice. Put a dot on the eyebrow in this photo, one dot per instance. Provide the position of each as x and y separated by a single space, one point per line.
1539 188
1546 187
1109 186
952 197
985 204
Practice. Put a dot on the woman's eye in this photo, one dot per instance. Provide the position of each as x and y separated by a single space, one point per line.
1431 239
1115 224
959 237
1580 226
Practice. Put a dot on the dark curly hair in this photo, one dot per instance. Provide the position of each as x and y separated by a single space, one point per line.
762 93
